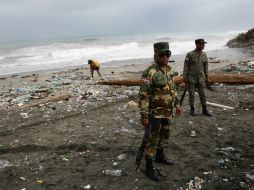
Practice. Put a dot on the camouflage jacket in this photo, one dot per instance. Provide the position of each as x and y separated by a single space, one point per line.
157 95
195 66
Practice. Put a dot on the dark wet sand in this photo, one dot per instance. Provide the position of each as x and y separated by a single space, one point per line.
68 144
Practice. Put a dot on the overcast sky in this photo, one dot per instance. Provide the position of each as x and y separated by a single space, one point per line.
36 19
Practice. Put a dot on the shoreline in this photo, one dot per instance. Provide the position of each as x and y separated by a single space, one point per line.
229 54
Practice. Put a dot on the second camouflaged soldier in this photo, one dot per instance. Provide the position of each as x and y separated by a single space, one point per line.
158 97
195 74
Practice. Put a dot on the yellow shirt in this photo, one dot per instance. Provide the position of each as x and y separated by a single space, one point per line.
95 63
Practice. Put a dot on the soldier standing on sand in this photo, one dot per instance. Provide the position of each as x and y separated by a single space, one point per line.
195 74
158 97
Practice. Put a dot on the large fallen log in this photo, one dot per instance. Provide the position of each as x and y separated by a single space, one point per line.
43 101
215 78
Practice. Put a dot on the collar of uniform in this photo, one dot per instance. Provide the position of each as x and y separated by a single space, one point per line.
197 52
158 67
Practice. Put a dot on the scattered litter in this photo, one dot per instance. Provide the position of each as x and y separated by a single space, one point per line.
23 178
115 163
4 163
251 177
226 151
220 129
116 173
206 173
242 67
221 161
225 180
195 184
131 104
121 156
190 122
131 121
39 181
193 134
66 159
24 115
219 105
87 187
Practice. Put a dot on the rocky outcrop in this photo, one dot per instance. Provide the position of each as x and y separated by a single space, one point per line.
243 40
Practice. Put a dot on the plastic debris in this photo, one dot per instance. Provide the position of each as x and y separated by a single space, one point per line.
226 151
66 159
22 178
206 173
219 105
193 134
195 184
4 163
87 187
24 115
221 161
251 177
39 181
116 173
131 104
121 156
131 121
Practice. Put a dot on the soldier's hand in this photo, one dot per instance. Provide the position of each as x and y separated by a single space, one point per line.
178 110
144 121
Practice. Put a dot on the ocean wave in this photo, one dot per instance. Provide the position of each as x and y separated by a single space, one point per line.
77 52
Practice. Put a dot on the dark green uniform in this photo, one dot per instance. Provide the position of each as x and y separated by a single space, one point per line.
196 72
158 96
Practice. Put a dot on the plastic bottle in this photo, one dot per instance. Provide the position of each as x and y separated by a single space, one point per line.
116 173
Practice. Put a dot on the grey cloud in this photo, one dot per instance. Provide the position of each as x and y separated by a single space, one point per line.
28 19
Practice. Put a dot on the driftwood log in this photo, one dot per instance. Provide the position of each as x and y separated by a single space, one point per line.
215 78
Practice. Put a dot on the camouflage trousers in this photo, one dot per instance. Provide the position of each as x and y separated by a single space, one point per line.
201 91
158 136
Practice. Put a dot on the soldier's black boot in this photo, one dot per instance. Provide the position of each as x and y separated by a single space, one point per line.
150 171
205 111
192 111
160 157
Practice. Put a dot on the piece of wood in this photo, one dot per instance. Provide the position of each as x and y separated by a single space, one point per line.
56 98
219 105
215 78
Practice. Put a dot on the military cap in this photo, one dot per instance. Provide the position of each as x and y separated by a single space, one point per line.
161 47
200 41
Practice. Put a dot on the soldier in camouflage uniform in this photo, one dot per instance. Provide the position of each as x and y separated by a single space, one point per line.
158 97
195 74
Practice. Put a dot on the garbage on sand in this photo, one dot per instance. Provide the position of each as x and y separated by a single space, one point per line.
116 173
195 184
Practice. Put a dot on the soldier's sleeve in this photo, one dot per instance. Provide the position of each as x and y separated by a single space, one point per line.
176 100
186 65
206 66
144 94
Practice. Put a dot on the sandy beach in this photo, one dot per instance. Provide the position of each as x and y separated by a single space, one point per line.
70 143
